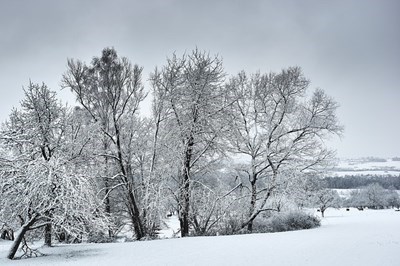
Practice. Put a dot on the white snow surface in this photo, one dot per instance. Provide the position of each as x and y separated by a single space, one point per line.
171 229
365 166
370 237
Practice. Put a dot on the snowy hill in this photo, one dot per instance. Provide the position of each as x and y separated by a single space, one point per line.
345 238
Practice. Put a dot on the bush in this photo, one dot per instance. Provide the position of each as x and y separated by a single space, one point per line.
294 220
99 237
228 226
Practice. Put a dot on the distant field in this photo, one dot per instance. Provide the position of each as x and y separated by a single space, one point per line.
366 167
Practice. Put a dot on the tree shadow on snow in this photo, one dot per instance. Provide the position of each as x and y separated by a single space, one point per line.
63 254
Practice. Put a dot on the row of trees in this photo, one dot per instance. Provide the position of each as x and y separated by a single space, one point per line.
217 151
355 181
373 196
315 193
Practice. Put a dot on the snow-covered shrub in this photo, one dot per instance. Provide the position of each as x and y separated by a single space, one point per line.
294 220
230 225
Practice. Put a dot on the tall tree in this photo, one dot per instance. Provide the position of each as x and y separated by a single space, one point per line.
43 119
278 130
38 187
110 89
190 91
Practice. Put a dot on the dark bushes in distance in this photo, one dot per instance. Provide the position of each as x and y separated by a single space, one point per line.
356 181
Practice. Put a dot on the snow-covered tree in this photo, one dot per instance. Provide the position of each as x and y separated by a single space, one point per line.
326 198
192 96
38 128
213 200
110 89
372 196
358 198
376 196
38 183
279 130
393 198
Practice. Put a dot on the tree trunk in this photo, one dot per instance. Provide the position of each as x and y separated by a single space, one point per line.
7 234
184 205
107 202
47 235
135 216
184 208
132 203
252 204
107 206
20 235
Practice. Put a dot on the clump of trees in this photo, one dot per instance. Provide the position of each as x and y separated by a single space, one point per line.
374 196
219 151
43 183
313 191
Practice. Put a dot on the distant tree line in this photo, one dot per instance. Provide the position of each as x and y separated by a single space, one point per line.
373 196
357 181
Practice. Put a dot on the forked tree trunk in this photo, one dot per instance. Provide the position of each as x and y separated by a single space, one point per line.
132 202
135 216
322 212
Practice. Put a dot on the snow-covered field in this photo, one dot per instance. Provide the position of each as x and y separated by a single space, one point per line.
365 166
370 237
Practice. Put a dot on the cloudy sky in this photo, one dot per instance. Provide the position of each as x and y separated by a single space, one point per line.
351 49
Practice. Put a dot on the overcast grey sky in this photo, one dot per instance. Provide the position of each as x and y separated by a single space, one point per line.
351 49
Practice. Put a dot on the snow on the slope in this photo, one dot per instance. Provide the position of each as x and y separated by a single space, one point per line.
352 237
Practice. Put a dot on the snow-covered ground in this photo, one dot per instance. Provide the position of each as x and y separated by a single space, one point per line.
370 237
366 166
171 228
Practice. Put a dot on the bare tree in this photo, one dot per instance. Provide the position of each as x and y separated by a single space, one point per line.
278 130
39 186
213 200
190 91
111 90
40 193
372 196
326 198
41 124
